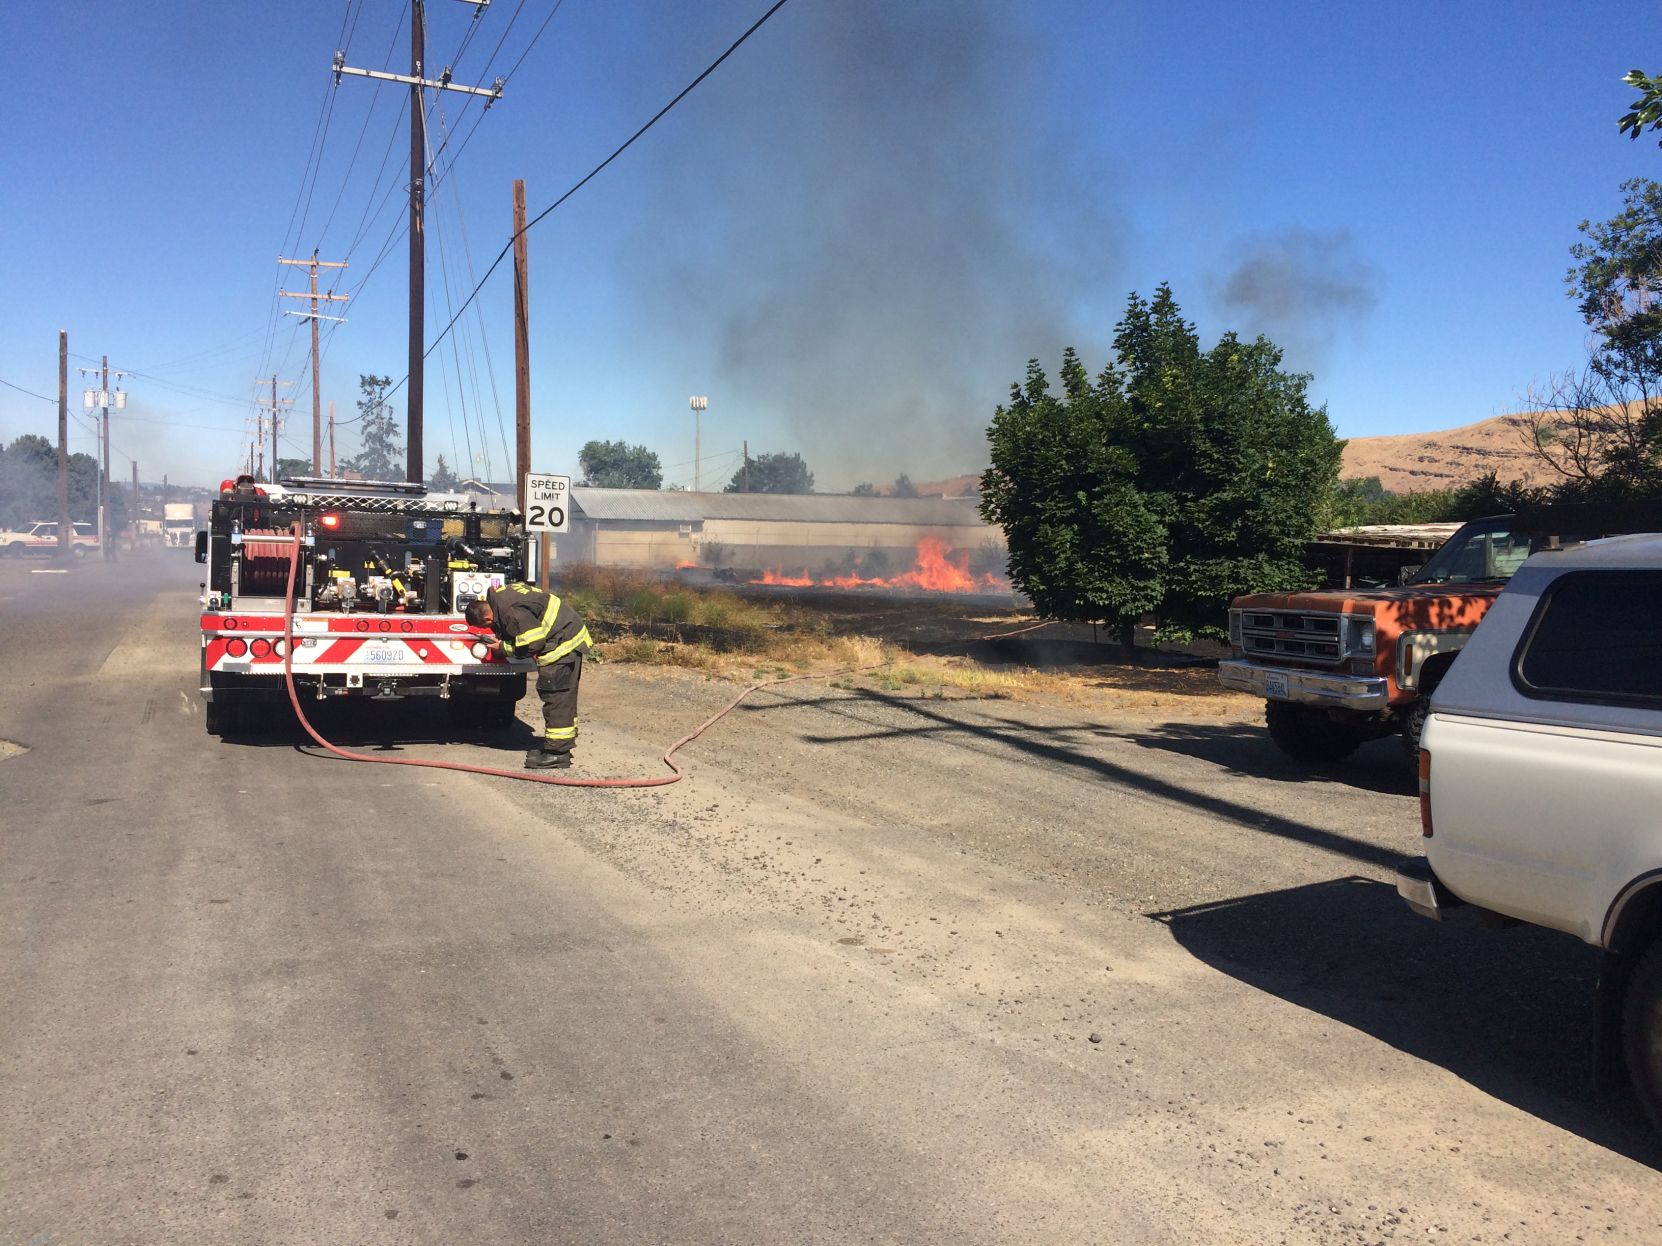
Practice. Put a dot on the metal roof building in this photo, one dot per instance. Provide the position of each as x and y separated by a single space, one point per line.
809 531
684 507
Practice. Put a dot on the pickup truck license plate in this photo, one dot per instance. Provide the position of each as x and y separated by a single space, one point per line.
384 653
1275 686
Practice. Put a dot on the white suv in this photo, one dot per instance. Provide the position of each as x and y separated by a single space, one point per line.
1541 775
42 538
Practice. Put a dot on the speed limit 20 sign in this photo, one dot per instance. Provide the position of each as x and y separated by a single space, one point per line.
547 503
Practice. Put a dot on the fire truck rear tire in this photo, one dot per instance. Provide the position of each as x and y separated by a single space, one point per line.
225 718
497 713
1642 1031
1309 735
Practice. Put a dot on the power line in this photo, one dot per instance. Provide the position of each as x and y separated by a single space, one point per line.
595 172
30 392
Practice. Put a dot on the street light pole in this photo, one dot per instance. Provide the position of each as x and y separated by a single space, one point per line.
699 406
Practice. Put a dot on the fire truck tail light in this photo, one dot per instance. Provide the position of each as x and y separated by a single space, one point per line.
260 648
329 520
279 647
236 646
1425 793
477 649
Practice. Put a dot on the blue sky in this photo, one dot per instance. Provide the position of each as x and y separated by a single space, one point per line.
851 238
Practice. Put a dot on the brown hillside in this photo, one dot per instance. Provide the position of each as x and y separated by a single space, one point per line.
1407 462
1404 462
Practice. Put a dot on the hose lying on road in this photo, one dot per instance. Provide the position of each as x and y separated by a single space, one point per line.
531 776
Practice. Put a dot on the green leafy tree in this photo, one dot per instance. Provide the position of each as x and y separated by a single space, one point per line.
773 473
619 465
1600 427
293 467
381 456
1178 479
1084 542
865 489
903 486
28 481
1240 460
1646 112
29 485
443 480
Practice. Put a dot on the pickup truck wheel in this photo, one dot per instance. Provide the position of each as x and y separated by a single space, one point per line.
1642 1032
1307 735
1413 727
16 549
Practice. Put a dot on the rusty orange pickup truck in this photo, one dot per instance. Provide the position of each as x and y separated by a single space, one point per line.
1338 667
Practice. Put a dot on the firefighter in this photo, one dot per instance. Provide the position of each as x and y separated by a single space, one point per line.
528 622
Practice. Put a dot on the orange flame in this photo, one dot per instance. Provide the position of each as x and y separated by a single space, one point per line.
686 565
937 570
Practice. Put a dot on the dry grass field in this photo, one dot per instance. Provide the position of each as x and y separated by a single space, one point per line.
933 646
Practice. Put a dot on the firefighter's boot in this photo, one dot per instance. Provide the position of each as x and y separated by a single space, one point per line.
542 759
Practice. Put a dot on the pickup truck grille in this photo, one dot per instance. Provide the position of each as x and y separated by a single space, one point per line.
1301 639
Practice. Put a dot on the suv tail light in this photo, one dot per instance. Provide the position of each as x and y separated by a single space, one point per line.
1425 793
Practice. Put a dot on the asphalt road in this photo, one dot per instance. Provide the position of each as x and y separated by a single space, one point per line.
839 986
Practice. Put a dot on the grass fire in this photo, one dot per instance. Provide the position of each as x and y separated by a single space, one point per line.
937 569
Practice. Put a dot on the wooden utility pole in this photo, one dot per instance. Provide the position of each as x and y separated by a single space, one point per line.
522 345
418 241
106 536
331 297
418 173
102 399
522 368
65 532
272 407
133 519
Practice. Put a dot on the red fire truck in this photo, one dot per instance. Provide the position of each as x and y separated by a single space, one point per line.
383 574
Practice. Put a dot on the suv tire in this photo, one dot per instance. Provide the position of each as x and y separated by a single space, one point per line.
1309 735
1642 1031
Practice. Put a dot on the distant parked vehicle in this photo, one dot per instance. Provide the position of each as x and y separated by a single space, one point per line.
41 539
179 524
1339 667
1541 776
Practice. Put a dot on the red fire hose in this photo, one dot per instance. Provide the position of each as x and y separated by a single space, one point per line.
529 777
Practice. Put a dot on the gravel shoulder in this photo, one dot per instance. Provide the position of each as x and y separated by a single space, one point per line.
950 896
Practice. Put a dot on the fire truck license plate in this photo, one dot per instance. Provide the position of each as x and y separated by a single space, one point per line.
384 653
1275 686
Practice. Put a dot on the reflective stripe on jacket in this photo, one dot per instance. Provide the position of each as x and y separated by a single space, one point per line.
532 623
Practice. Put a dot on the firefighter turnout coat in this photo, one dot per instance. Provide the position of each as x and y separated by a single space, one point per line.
535 624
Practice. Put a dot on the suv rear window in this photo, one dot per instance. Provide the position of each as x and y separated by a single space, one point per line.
1596 636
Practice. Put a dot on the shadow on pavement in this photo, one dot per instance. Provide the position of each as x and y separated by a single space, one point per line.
1512 1012
1244 749
1074 748
367 726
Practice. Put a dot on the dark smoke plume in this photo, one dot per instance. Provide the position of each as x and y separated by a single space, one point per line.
895 214
1302 289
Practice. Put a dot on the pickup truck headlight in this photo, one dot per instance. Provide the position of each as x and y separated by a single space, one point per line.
1235 628
1361 635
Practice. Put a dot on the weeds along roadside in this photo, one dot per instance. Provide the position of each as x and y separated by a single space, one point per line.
636 617
639 618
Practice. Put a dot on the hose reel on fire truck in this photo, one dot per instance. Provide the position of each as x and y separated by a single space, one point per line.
265 564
